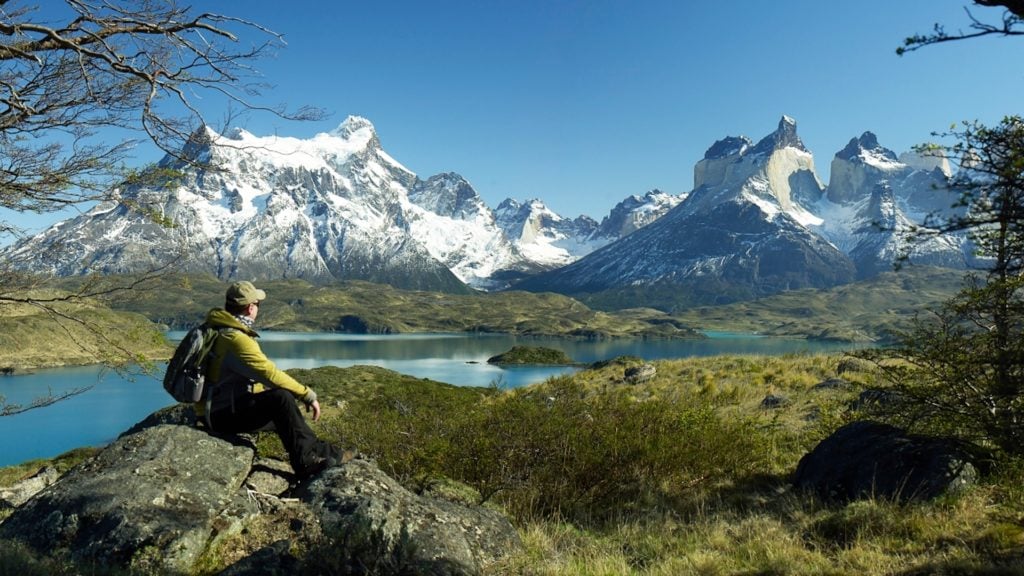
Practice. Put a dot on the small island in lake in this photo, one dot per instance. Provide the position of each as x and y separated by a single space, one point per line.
531 355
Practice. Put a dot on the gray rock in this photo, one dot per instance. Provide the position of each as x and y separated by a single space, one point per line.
868 459
854 365
642 373
182 414
382 528
19 493
150 501
272 477
875 398
167 496
271 560
833 384
774 401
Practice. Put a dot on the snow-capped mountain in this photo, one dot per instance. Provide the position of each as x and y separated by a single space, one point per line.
741 233
884 238
876 202
634 213
452 221
335 206
545 238
550 241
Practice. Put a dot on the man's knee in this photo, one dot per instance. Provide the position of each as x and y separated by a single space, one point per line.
280 398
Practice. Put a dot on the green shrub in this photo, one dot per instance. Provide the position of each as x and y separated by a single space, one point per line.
559 449
406 424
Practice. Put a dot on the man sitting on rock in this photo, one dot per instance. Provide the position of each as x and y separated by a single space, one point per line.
250 394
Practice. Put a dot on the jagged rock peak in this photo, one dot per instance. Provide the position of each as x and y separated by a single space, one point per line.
785 136
448 194
202 136
728 146
927 160
356 128
238 133
867 142
451 179
882 205
531 205
509 204
197 147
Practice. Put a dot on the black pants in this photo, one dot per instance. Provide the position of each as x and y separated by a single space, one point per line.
276 410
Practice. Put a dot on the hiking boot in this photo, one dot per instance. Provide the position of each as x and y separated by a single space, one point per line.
335 457
318 465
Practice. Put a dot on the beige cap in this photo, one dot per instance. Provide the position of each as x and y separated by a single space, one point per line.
242 293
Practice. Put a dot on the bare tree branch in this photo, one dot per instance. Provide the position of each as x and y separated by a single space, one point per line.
134 66
1012 24
82 82
39 402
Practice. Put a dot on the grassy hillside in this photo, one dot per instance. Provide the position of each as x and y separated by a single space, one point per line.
685 473
870 310
75 333
731 299
867 311
361 307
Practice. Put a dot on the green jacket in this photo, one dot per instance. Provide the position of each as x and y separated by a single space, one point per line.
238 366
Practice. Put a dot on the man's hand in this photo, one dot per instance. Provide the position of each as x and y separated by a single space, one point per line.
314 406
309 399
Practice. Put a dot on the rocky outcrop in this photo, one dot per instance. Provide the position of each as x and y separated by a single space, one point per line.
166 496
634 213
638 374
860 166
19 493
868 459
152 499
393 531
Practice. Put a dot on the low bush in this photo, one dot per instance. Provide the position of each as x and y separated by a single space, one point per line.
562 450
556 449
408 425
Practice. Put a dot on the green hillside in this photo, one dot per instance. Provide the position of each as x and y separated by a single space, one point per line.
870 310
866 311
75 333
360 307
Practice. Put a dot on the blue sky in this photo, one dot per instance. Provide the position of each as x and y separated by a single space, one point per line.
582 103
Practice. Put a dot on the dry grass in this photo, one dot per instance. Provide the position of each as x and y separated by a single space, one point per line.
790 534
741 523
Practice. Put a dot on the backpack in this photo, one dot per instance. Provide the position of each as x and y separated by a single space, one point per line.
185 377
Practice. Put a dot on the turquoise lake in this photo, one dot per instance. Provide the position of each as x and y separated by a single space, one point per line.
115 402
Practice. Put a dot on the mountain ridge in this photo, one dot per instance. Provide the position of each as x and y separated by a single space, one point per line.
337 207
